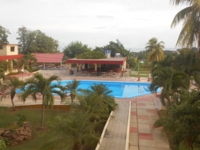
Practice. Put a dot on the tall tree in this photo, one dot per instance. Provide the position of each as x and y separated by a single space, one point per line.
115 47
155 50
91 55
10 86
187 60
190 33
39 84
35 42
3 35
23 38
75 48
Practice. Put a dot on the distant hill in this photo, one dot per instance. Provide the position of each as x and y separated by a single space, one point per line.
168 52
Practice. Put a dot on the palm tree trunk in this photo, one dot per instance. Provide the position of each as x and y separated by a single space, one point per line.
199 44
42 119
13 104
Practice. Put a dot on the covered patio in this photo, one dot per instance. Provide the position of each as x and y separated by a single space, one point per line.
98 67
10 58
49 60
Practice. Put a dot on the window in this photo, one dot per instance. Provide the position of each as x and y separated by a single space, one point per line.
12 49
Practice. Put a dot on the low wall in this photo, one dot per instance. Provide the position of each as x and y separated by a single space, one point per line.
39 106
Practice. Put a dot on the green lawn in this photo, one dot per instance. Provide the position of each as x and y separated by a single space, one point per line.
33 116
141 74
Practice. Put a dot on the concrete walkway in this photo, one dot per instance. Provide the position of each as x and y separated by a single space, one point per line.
142 134
115 137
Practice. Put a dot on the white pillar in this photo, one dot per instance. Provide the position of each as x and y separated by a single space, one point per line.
124 65
95 67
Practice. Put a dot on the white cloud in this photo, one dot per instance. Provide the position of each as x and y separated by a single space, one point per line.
93 22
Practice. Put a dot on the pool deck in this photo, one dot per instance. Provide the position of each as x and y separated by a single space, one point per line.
143 114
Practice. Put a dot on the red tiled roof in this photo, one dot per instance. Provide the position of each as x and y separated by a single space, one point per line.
10 57
49 57
98 61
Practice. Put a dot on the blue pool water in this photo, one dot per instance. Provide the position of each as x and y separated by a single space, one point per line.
119 89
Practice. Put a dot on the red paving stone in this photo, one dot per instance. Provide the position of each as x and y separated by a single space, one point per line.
133 129
143 117
145 136
151 126
133 112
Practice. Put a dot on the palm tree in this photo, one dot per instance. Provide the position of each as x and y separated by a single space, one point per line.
187 60
155 50
182 122
190 32
10 86
72 87
5 65
171 81
103 91
73 131
97 101
30 60
39 84
2 75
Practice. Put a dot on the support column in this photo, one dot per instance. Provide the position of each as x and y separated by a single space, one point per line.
77 66
11 65
70 69
95 68
124 65
44 66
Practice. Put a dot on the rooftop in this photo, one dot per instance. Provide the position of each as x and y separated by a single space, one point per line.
112 60
49 57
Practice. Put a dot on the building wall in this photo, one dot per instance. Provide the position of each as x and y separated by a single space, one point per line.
10 49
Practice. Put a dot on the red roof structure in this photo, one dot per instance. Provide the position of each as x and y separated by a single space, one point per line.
11 57
49 57
115 60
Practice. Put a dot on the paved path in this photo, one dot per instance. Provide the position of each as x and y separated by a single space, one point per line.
142 134
115 137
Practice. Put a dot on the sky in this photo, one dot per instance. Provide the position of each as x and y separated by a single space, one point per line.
94 22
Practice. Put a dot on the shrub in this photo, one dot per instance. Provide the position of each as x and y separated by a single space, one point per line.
2 144
20 119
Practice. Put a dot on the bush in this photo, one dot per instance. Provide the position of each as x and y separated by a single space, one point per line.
91 55
20 119
2 144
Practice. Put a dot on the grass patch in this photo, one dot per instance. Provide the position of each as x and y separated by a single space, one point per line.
141 75
33 116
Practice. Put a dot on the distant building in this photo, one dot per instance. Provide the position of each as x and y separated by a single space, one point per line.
49 60
9 52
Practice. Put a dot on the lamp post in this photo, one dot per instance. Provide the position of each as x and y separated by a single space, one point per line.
22 73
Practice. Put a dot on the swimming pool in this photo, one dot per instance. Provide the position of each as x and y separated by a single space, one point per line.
119 89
